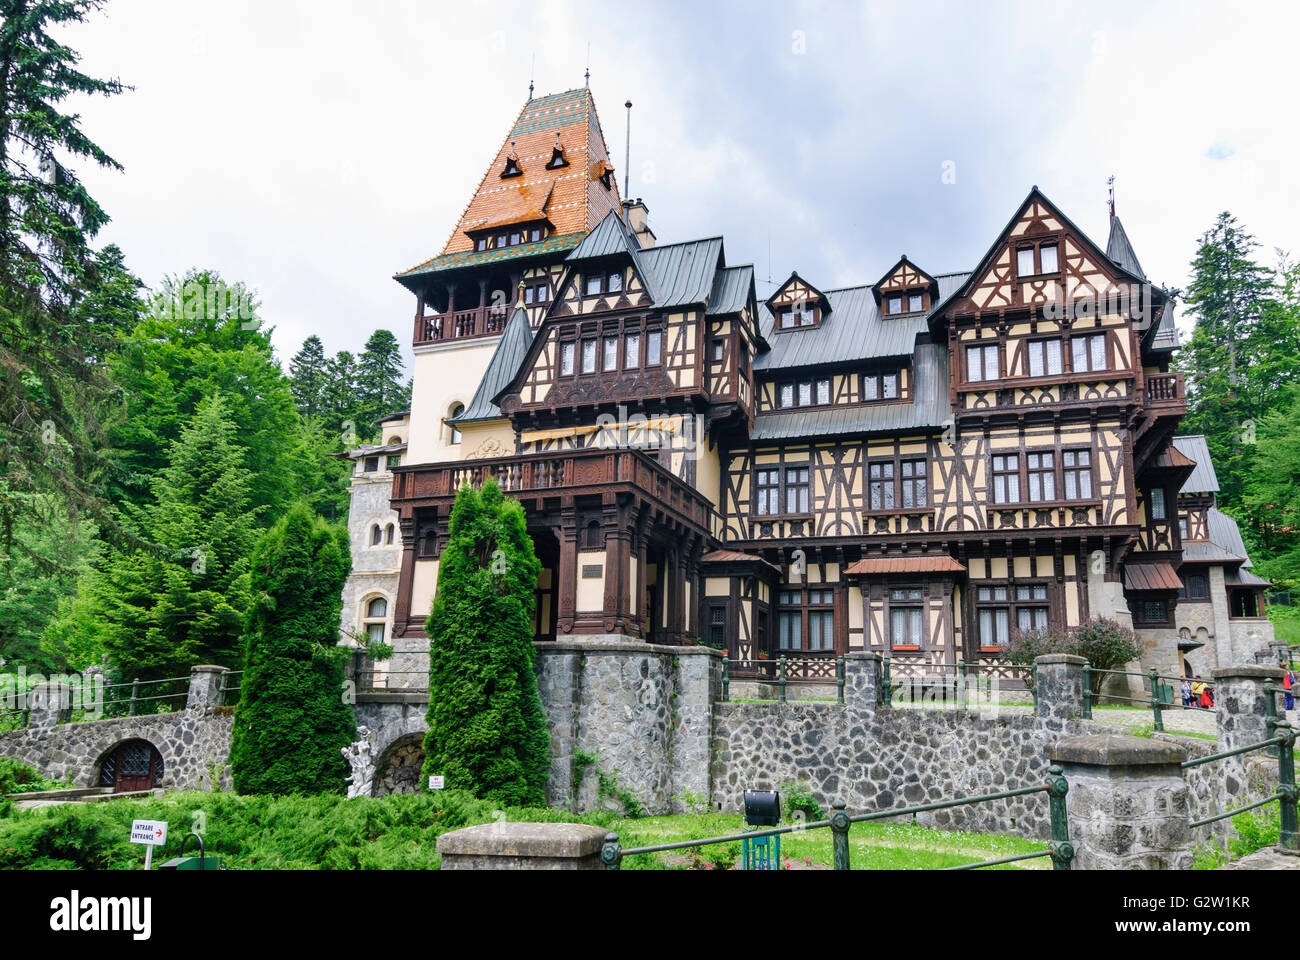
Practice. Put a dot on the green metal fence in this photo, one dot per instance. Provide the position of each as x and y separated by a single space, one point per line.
1059 849
1284 744
778 672
96 701
1163 696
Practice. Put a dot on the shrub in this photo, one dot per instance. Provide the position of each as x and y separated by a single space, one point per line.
292 723
1105 644
798 796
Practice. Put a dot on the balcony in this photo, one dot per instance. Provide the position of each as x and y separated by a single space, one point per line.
460 324
1165 388
536 476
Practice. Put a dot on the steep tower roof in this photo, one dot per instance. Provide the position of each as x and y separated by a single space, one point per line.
553 166
1120 250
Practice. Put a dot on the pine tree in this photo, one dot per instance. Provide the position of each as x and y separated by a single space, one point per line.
180 601
487 730
342 399
292 721
49 382
379 377
308 372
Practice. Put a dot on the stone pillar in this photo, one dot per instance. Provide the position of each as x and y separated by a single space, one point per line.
205 688
697 685
1058 683
1239 703
558 681
862 680
1278 652
523 846
1129 804
46 701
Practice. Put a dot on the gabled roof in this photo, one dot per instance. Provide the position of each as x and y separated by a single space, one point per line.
795 278
1203 478
1120 251
684 272
516 338
854 330
572 197
923 279
733 287
1223 546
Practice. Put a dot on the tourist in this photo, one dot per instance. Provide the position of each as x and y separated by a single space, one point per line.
1288 680
1187 691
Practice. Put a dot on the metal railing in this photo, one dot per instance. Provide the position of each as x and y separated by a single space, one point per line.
1284 743
778 672
1059 849
86 701
228 691
959 679
1161 698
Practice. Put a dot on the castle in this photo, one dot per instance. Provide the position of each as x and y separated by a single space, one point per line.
916 466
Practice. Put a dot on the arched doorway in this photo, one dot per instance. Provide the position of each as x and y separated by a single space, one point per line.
132 765
398 769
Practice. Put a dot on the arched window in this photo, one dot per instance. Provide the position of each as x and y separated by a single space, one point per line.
456 410
375 622
388 535
394 440
375 534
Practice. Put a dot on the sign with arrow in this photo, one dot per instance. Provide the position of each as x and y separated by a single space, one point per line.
151 833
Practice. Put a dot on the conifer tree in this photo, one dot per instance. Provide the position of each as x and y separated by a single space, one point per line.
307 371
293 722
487 729
379 377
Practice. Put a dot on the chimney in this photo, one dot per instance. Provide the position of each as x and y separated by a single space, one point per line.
636 215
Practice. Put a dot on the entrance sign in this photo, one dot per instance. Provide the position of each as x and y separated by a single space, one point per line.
151 833
435 783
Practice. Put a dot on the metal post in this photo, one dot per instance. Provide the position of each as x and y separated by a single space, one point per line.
780 682
1062 851
840 835
1289 838
1087 691
961 683
611 854
726 681
1155 700
135 689
1270 718
839 679
886 692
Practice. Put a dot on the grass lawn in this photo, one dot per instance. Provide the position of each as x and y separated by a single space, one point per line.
872 846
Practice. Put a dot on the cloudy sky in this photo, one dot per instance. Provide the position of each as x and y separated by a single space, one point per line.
312 149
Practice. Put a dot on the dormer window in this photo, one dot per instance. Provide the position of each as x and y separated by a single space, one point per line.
557 156
515 236
895 305
614 283
914 301
511 169
592 287
798 315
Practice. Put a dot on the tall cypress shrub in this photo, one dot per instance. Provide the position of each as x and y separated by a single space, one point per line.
292 721
487 729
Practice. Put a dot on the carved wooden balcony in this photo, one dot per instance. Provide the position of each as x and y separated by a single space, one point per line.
486 321
1165 389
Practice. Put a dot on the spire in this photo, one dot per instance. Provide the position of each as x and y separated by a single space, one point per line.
1111 183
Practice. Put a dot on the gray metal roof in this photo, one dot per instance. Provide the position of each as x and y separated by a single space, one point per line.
1203 478
1224 546
501 369
1120 250
1241 577
853 330
929 407
731 290
612 237
1166 335
683 273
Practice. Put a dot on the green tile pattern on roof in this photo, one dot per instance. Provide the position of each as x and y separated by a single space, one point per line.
468 258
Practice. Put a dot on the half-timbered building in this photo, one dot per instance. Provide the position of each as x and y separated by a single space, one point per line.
918 465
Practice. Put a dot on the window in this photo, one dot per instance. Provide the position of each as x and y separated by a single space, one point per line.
1089 352
480 244
456 411
1040 472
514 239
1076 471
567 351
1044 358
1006 478
982 363
542 292
1030 617
591 538
631 351
592 287
823 388
1153 611
785 395
388 534
767 484
371 464
375 535
500 241
717 349
912 482
1025 262
609 359
994 621
879 386
905 617
1047 262
796 490
881 475
1195 587
653 345
1182 526
375 621
806 620
914 301
614 283
1157 503
895 305
535 234
805 393
796 315
718 627
589 356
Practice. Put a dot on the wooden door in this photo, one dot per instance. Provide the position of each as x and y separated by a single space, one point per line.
135 765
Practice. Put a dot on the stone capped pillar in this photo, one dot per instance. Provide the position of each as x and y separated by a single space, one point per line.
523 846
863 677
46 701
205 687
559 677
697 685
1059 689
1240 703
1129 805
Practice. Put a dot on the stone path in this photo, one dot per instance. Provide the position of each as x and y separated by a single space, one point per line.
1270 858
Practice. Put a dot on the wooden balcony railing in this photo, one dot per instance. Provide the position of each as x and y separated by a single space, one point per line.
461 324
1164 388
534 473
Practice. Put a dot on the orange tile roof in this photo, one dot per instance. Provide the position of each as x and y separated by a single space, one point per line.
935 564
571 197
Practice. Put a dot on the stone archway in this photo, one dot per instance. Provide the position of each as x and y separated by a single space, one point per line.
130 765
399 766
